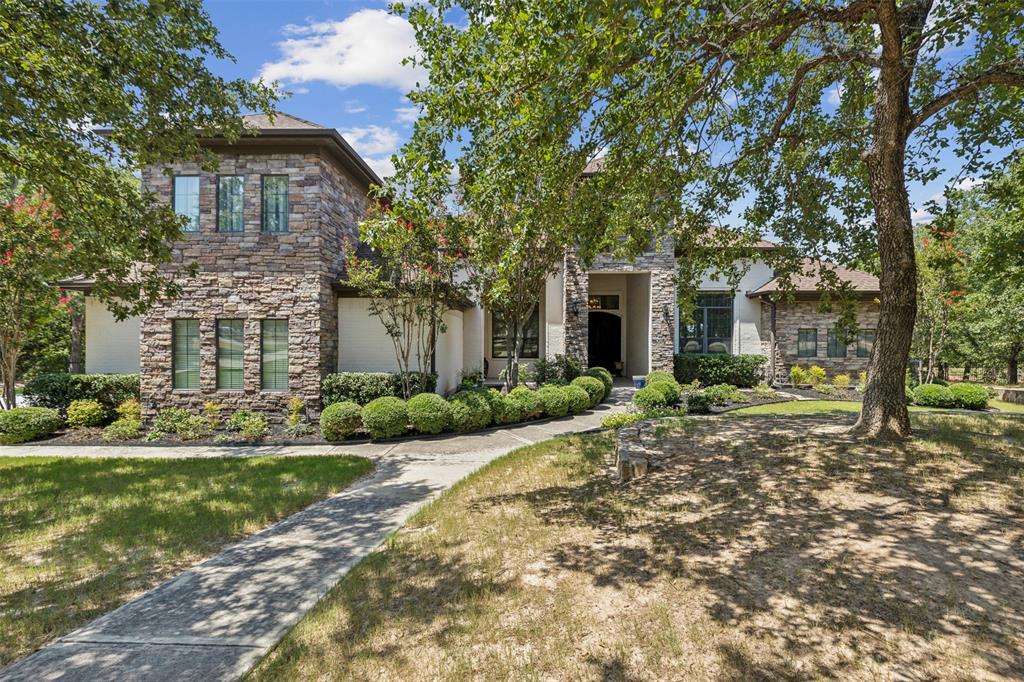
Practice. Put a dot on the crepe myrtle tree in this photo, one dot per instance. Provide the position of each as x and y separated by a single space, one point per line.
409 274
816 113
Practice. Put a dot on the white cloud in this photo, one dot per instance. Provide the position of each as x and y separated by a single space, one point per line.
354 106
366 48
372 140
381 165
407 114
921 216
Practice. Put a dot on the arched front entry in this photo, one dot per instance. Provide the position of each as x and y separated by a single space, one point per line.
604 344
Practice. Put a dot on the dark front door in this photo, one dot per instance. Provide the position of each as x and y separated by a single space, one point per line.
604 345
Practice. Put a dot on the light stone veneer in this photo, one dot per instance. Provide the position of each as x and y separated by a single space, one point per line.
790 317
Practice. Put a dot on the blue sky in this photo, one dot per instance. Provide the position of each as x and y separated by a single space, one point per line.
342 62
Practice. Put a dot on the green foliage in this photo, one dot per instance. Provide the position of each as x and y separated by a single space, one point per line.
604 375
235 422
698 403
130 409
797 376
554 400
528 403
58 390
969 396
471 411
649 398
739 370
429 413
862 381
670 389
658 375
764 391
125 428
386 417
841 381
593 386
212 410
253 427
505 409
169 419
296 412
579 399
723 394
85 413
192 427
933 395
364 387
28 423
815 375
560 369
620 419
338 421
825 389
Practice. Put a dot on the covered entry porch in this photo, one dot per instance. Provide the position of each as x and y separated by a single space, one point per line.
618 322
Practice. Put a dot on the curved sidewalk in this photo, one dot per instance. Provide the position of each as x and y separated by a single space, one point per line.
217 619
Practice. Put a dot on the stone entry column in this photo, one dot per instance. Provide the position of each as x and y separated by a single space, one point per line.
575 310
663 314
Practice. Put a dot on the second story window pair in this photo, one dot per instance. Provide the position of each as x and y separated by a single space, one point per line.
231 202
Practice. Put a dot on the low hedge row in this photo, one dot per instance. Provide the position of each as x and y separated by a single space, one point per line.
363 388
58 391
23 424
466 411
743 371
966 396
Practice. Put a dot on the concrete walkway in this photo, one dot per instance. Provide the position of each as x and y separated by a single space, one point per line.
216 620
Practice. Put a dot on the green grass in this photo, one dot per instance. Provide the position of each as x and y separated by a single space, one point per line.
799 407
1004 406
80 536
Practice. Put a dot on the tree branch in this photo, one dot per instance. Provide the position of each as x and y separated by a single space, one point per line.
994 76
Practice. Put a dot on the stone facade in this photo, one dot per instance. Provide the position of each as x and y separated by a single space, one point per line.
576 292
255 275
790 317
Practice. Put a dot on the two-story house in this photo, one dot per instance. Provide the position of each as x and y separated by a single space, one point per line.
266 315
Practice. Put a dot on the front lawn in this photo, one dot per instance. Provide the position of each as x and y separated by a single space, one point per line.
827 406
79 537
767 549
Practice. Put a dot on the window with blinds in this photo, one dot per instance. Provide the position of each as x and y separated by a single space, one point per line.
230 347
807 343
185 354
275 203
274 355
230 203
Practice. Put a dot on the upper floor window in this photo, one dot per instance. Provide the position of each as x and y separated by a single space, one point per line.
865 342
185 354
807 343
531 336
230 205
275 203
186 200
836 348
710 331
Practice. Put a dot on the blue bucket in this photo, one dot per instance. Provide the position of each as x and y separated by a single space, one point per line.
639 381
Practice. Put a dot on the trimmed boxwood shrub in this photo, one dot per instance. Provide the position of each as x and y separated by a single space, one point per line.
554 400
28 423
744 371
933 395
386 417
85 413
365 387
649 398
698 403
59 390
605 377
529 403
593 386
471 411
579 399
505 409
670 389
340 420
969 396
659 375
429 413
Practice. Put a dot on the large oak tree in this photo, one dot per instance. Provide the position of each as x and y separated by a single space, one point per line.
815 113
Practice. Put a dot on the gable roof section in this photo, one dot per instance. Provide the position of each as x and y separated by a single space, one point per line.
808 282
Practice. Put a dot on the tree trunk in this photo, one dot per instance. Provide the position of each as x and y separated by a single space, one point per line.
1011 366
884 413
9 361
967 371
77 366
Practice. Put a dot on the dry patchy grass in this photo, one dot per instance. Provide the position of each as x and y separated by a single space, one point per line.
769 548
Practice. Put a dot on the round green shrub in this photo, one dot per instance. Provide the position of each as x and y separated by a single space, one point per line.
579 399
649 398
338 421
527 402
723 394
471 410
386 417
698 403
28 423
130 409
605 377
554 400
969 396
933 395
429 413
659 375
669 389
593 386
84 413
125 428
507 410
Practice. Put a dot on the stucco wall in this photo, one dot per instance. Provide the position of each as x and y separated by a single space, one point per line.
747 332
111 347
638 324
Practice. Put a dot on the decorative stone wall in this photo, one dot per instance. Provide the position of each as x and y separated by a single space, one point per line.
791 317
637 451
574 309
254 275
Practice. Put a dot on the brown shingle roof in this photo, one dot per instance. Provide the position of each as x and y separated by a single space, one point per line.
809 280
594 167
282 121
